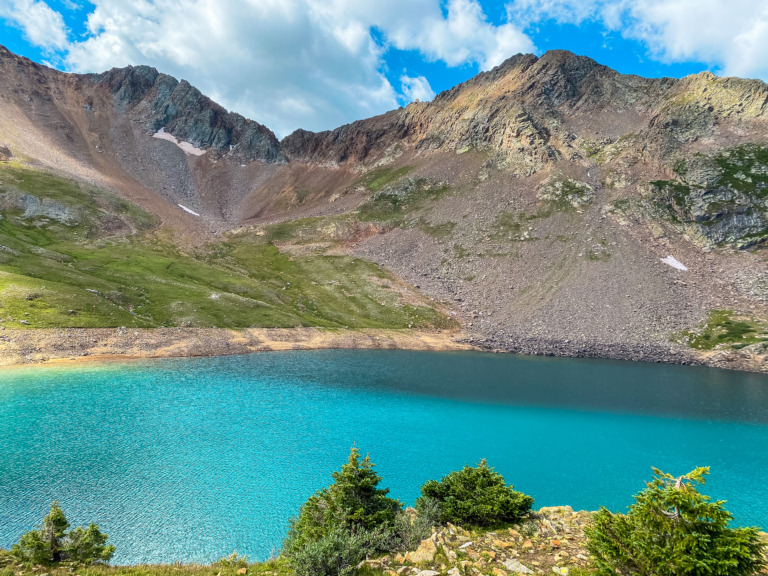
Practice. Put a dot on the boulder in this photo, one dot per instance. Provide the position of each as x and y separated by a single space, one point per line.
424 553
517 567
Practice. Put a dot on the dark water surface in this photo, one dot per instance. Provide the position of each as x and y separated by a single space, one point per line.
191 459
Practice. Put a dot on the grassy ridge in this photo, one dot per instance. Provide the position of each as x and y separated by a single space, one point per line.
96 263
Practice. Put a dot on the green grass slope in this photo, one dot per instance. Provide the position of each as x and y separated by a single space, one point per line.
76 256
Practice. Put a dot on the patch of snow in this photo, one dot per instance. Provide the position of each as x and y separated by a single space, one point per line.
186 146
188 210
672 261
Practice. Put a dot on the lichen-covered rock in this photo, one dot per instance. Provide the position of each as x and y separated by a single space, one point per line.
35 207
721 199
565 192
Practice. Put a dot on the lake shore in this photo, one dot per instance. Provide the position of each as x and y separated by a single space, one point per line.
21 347
64 345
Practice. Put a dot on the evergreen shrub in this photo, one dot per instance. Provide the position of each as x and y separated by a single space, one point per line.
52 543
339 525
475 496
673 530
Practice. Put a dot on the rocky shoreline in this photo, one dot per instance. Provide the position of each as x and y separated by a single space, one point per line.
552 541
20 347
750 359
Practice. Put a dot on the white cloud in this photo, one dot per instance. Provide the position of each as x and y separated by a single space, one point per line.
729 35
313 64
463 36
417 88
42 26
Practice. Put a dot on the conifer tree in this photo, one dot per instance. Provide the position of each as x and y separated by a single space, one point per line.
353 503
51 543
673 530
475 496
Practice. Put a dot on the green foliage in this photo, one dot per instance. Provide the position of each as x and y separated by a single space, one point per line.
411 527
336 553
9 566
677 191
476 496
352 512
394 204
744 168
673 530
438 231
378 179
233 561
56 275
722 328
51 543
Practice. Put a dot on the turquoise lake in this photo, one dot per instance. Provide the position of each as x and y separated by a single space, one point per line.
191 459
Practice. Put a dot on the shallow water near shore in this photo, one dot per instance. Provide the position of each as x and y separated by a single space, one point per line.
190 459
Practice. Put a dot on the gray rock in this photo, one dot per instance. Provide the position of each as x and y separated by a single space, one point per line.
516 566
35 207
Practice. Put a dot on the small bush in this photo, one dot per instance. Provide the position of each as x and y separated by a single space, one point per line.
337 553
51 543
352 516
413 526
673 530
476 496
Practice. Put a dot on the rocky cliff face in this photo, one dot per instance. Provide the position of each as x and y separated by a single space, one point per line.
183 111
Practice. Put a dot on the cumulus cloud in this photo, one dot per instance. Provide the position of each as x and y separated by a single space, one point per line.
417 88
729 35
42 26
313 64
317 64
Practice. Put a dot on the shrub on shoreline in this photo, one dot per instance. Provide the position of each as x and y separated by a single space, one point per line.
339 525
673 530
476 496
52 543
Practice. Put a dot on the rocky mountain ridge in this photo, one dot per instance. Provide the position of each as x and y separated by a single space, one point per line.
538 201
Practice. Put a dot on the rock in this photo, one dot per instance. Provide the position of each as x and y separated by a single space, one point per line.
555 543
516 566
498 572
242 571
454 572
428 573
466 545
424 553
528 544
559 570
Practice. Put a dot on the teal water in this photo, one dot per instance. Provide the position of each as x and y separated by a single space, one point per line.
188 460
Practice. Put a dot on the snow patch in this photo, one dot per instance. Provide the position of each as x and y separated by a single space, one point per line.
188 210
672 261
186 146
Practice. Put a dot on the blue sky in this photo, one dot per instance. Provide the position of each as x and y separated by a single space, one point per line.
317 64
